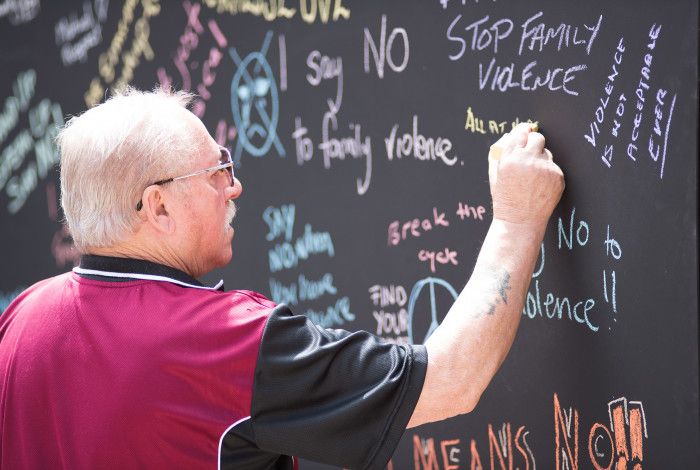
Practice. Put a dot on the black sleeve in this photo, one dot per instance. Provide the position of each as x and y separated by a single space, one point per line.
332 396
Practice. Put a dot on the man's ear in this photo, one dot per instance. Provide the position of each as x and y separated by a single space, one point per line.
155 210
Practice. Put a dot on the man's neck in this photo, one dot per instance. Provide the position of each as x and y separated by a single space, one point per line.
136 251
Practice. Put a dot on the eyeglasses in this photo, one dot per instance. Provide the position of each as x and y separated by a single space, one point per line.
225 164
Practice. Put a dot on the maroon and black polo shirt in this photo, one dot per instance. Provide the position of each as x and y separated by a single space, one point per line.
130 364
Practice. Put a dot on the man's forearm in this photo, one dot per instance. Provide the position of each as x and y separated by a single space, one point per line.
475 336
466 350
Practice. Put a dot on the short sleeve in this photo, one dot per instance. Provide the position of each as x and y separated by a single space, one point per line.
330 395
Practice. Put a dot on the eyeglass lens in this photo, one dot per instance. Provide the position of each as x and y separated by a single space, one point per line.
226 158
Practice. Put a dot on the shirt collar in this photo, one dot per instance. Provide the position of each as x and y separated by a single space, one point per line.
125 269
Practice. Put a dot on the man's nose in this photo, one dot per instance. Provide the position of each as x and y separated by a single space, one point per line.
232 192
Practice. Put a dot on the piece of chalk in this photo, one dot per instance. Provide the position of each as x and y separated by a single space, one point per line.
495 151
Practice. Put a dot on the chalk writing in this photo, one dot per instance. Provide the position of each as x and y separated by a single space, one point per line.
565 457
355 146
89 25
620 446
337 144
465 211
508 448
384 54
538 35
280 221
612 250
415 227
484 34
303 145
555 307
326 68
664 105
534 36
660 130
304 289
255 90
641 90
336 314
475 124
288 254
20 11
271 10
424 455
392 324
189 69
17 103
310 8
383 296
575 234
433 258
18 177
283 293
582 232
114 56
418 146
480 39
604 101
504 78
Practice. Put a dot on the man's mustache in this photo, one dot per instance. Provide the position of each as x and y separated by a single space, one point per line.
230 212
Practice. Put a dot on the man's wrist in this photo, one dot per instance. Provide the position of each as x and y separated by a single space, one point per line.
517 231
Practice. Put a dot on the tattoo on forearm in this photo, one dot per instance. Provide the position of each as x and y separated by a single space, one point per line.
500 287
504 286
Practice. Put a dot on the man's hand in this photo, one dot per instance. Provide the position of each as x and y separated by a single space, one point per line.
526 184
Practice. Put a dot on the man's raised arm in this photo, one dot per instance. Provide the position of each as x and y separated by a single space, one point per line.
467 349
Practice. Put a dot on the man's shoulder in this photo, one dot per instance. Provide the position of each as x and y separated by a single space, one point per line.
252 297
52 284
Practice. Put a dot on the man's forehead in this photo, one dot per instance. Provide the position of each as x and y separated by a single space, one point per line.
207 150
208 154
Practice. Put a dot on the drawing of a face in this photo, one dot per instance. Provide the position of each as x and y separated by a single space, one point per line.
257 93
255 103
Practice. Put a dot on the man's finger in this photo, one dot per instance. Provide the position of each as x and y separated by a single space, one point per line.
515 138
519 134
535 142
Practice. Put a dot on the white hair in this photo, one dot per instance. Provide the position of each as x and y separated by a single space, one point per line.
111 153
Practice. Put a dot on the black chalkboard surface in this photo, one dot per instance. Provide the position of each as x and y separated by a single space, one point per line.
360 131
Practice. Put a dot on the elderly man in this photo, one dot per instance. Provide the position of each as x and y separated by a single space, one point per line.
130 362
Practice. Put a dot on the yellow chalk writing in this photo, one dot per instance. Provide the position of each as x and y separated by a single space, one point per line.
480 125
271 10
130 59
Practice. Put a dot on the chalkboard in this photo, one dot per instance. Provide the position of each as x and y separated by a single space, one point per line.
360 131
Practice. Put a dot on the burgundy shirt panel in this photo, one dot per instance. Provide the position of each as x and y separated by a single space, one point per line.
164 368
